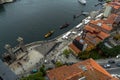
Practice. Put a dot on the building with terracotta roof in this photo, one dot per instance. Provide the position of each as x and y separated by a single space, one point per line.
77 45
74 49
101 25
92 38
85 70
100 32
103 35
111 19
117 19
94 32
97 30
115 6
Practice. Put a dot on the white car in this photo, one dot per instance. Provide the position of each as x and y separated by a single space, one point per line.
80 33
46 61
86 21
73 32
118 56
107 66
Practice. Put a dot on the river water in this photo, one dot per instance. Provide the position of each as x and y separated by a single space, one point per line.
31 19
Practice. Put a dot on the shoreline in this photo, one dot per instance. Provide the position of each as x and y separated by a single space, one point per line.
77 28
39 27
38 48
60 36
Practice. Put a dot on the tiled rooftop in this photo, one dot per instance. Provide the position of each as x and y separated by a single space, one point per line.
100 24
90 29
97 30
74 49
88 69
115 4
103 35
92 39
111 19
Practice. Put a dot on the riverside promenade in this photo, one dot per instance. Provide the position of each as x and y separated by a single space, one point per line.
40 51
36 52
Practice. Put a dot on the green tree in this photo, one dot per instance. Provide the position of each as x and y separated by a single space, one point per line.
94 53
66 52
58 64
117 37
109 52
42 69
35 76
83 55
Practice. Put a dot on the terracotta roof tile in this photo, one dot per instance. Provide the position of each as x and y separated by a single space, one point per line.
103 24
63 72
115 5
88 69
110 19
92 38
103 35
74 49
97 31
89 28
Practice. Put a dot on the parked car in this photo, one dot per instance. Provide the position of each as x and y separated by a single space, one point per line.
111 61
118 76
118 56
107 66
46 61
114 75
53 61
34 71
118 64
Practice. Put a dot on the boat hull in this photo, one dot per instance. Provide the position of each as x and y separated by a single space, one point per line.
82 1
64 26
48 34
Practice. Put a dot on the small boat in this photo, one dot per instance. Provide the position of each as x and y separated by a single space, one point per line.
64 25
49 34
82 1
85 13
76 16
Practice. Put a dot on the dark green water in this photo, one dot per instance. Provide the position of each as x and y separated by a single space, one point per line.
31 19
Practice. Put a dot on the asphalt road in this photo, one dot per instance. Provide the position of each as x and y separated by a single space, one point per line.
114 69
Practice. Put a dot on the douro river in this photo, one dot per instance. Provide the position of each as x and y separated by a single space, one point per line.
31 19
